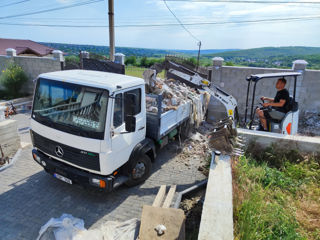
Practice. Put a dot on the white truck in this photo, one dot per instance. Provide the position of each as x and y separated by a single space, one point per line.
92 128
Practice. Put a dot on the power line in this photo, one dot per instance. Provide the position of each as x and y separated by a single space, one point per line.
14 3
193 36
167 25
52 9
245 1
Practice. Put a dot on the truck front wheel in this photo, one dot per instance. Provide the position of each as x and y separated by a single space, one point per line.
140 170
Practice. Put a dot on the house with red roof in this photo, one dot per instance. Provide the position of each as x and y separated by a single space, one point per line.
24 47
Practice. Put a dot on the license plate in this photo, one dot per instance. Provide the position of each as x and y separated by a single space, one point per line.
62 178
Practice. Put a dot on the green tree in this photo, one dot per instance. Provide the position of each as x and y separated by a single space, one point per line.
75 60
12 79
229 63
132 60
144 62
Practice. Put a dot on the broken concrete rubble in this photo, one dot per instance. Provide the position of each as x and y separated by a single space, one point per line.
174 93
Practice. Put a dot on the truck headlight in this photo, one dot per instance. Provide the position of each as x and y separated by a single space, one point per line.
98 182
36 157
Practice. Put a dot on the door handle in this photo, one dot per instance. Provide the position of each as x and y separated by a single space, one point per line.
141 128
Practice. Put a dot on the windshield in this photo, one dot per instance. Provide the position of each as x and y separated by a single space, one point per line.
72 108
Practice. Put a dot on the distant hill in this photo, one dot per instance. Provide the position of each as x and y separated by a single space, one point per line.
266 52
274 57
205 51
73 49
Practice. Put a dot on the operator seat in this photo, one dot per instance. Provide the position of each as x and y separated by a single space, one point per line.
276 125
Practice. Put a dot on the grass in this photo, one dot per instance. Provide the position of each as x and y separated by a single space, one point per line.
276 199
138 71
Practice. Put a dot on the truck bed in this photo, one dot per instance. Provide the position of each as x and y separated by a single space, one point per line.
160 124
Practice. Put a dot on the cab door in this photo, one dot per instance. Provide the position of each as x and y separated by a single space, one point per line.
122 142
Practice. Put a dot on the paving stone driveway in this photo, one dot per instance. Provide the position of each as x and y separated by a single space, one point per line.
29 197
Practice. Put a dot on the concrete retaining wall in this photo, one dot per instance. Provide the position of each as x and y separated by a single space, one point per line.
265 139
32 66
9 138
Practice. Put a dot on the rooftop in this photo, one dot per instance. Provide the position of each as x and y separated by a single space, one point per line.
24 47
98 79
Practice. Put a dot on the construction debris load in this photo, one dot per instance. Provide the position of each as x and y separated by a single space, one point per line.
174 93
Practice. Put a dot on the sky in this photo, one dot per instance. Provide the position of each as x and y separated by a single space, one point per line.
228 34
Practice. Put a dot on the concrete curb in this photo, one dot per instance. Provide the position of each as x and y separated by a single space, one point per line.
217 213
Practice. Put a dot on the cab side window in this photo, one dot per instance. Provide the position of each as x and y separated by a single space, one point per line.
118 110
136 92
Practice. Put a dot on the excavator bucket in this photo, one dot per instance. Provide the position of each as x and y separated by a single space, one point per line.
223 136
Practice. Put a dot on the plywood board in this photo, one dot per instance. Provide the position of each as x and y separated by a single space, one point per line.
173 219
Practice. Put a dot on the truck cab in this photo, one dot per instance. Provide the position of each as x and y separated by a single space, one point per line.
89 127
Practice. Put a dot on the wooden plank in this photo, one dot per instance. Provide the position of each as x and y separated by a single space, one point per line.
168 200
160 196
173 219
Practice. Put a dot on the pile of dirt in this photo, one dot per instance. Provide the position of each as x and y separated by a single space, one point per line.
192 208
196 151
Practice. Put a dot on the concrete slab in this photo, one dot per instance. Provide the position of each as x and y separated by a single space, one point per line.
302 143
217 214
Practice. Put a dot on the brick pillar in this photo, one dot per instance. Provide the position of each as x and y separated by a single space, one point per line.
299 66
11 52
216 70
85 54
216 110
119 58
58 56
82 55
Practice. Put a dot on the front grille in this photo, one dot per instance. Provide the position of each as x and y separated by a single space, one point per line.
75 156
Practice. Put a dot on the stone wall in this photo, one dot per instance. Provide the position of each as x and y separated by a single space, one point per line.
33 66
233 81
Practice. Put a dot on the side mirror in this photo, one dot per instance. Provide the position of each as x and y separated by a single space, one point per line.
130 122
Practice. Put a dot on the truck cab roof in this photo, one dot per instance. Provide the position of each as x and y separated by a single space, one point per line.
97 79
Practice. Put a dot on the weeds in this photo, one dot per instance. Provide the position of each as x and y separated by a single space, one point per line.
276 195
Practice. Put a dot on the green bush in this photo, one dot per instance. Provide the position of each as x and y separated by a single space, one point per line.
131 60
273 156
12 79
75 60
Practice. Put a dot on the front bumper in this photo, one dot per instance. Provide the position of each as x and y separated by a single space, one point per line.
77 176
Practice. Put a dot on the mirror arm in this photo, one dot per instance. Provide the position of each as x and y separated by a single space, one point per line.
124 132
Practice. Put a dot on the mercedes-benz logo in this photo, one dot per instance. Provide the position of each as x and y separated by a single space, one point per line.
59 151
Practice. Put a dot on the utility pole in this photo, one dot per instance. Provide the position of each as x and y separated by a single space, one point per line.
111 29
199 44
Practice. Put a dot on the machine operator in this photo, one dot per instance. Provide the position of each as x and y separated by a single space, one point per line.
274 108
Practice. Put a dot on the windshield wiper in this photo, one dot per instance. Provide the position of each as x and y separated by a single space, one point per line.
43 119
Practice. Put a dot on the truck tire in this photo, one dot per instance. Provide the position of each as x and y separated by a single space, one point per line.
140 170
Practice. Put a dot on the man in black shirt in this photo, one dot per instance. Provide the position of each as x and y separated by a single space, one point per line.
279 104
